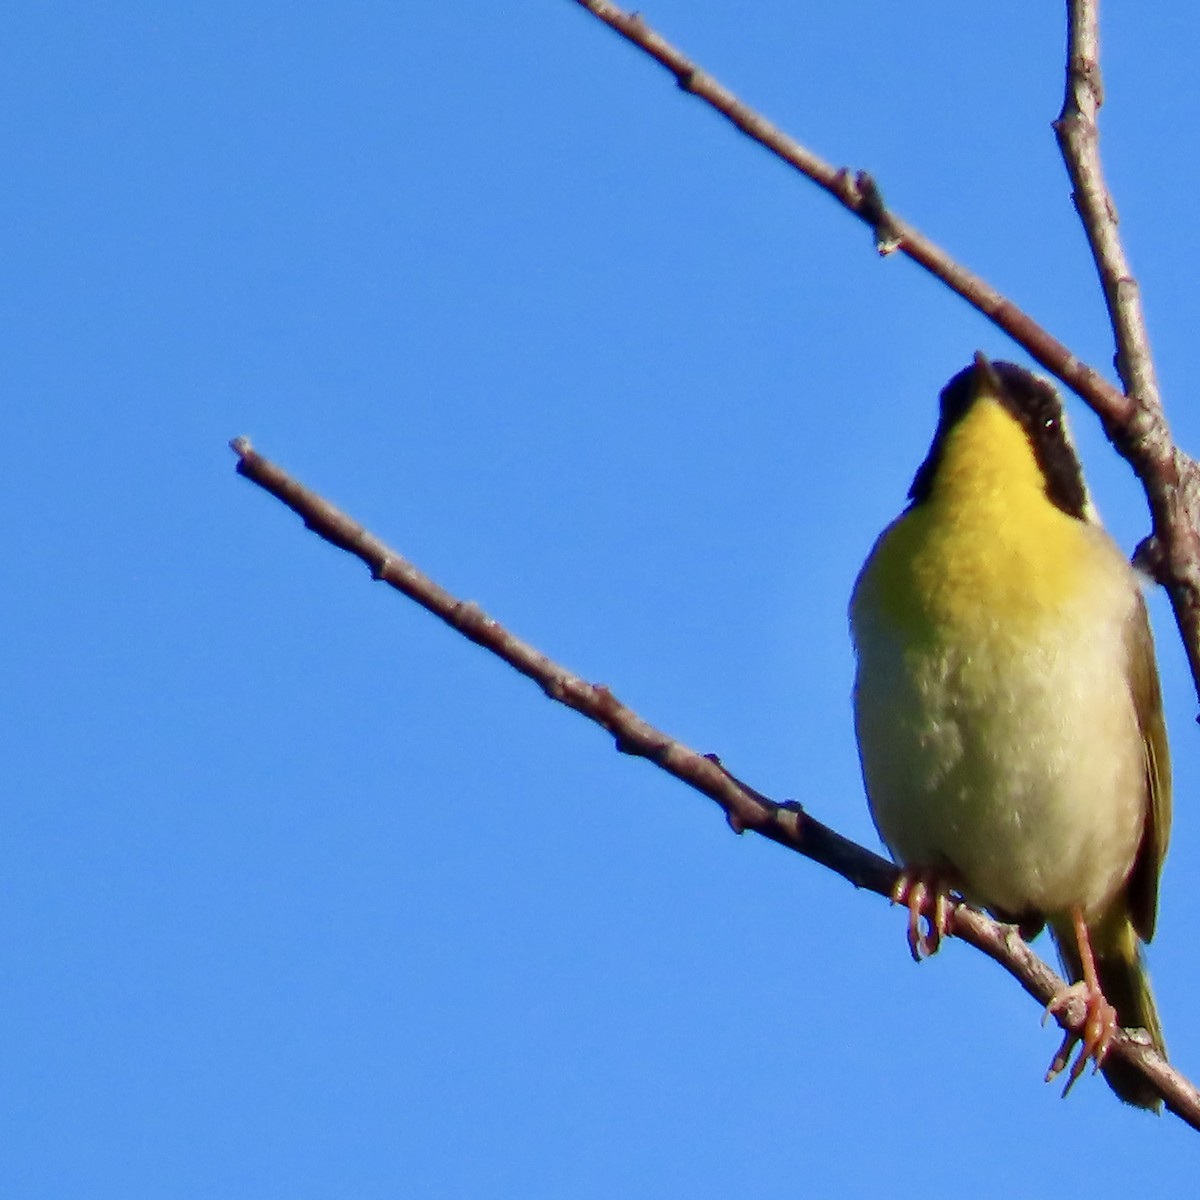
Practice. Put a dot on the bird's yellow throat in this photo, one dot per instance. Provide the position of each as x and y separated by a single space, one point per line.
986 535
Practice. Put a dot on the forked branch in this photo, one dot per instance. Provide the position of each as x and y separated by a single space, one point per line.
1134 420
858 192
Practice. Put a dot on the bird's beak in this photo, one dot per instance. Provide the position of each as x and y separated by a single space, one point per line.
986 378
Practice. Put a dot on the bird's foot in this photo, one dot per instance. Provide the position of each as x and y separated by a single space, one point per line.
926 894
1099 1027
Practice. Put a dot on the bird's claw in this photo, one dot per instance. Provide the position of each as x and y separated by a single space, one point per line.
1099 1028
925 894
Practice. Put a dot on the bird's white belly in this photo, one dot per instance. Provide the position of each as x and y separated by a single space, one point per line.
1018 770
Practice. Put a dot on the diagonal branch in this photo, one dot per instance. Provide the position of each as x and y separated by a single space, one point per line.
745 809
1134 422
859 194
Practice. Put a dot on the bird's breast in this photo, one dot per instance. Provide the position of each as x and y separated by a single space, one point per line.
995 721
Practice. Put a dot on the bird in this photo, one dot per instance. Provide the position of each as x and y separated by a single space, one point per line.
1008 709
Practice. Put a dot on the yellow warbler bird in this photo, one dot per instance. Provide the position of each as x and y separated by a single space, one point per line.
1007 705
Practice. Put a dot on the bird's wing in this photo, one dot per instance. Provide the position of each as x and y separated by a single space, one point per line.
1147 699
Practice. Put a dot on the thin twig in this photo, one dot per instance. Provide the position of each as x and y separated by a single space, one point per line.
745 809
1079 142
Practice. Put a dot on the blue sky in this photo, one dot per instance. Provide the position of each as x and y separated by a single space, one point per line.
302 895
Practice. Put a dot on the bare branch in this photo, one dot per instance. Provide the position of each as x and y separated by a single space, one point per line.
860 194
744 808
1079 142
1134 423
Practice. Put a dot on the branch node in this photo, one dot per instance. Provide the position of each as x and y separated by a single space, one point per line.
873 210
842 186
794 818
624 745
1150 558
